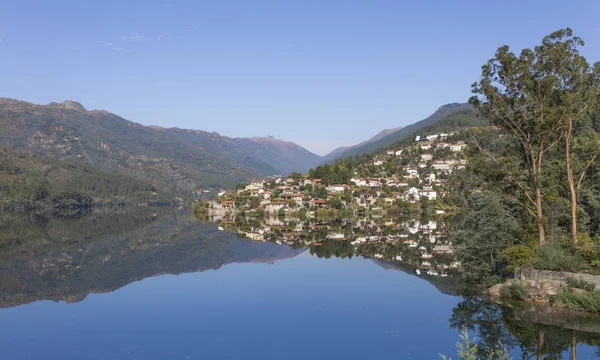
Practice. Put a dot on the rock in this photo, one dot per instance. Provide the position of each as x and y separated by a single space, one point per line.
496 290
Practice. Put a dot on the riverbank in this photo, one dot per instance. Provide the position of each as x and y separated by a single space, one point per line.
569 292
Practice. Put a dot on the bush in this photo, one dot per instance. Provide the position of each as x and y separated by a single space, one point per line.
589 302
519 256
558 258
516 290
580 284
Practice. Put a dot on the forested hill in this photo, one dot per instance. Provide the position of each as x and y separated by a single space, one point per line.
107 142
28 183
456 121
404 132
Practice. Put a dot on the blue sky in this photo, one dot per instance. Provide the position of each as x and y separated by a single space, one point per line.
320 73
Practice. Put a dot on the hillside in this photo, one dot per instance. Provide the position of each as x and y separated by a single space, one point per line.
283 156
28 182
454 122
341 150
175 161
402 132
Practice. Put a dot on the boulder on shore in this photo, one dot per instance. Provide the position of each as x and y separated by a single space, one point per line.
537 291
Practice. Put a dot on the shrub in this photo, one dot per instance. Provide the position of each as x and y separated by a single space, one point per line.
558 258
516 290
519 256
580 284
589 302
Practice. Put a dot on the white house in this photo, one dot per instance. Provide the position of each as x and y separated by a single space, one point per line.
425 146
426 157
431 194
411 194
457 147
398 152
442 145
390 152
441 165
412 173
337 188
359 181
377 162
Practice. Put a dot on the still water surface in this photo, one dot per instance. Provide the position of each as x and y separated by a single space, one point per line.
170 287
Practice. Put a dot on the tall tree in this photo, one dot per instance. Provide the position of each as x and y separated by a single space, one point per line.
574 85
516 94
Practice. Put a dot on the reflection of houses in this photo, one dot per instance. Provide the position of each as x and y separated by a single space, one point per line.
276 206
227 205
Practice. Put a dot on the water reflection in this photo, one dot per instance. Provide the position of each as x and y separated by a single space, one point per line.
66 259
58 258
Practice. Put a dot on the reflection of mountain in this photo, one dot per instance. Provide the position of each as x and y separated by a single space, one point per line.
54 263
449 285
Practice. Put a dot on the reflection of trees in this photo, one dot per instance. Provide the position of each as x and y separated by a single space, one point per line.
495 325
476 313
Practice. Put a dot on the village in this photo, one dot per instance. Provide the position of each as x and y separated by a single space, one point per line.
392 179
391 208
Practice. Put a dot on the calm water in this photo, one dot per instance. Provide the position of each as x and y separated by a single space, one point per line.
165 286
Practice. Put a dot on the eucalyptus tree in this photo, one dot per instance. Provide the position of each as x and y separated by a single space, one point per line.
518 94
574 88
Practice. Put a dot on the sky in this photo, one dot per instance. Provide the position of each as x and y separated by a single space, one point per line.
320 73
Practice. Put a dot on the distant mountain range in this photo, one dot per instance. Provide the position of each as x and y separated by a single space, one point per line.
388 137
173 159
177 161
339 152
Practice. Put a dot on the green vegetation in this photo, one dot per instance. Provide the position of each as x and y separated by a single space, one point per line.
469 350
529 196
175 161
515 291
409 130
579 301
66 185
580 284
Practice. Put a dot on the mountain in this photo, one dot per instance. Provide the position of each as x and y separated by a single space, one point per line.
174 160
284 156
341 150
388 137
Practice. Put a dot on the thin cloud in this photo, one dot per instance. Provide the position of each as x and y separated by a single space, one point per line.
164 35
114 47
2 36
135 37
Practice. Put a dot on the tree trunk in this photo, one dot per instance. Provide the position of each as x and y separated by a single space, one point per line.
573 348
572 188
540 346
540 216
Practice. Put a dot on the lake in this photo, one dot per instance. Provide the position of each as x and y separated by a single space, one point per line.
164 285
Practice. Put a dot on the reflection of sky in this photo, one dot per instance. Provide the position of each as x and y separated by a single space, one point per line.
300 308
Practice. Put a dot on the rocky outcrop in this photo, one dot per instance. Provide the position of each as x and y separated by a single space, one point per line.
537 291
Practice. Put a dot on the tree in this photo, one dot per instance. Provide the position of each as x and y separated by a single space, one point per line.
517 93
574 90
488 228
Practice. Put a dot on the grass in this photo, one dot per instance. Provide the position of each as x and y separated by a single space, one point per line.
588 302
515 291
580 284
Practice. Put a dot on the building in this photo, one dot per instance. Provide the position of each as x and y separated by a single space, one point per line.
337 188
426 157
276 206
